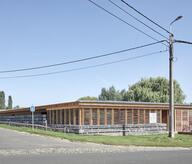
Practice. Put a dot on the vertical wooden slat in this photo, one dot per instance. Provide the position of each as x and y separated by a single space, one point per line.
98 117
125 116
58 116
144 121
69 115
56 112
74 116
61 116
139 115
53 116
112 117
80 122
82 116
132 116
65 117
168 120
50 116
181 120
91 117
105 117
175 120
160 116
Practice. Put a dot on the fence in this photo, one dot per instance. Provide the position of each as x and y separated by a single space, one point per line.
138 129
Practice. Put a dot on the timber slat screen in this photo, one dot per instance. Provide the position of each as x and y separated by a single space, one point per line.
94 116
102 117
109 116
105 113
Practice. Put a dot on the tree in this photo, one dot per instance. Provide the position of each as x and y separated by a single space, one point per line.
88 98
110 94
10 103
154 90
16 107
2 100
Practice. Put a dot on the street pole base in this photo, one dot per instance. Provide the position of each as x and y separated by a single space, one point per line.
171 134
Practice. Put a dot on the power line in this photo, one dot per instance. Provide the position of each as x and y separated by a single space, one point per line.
84 68
117 17
137 19
81 60
145 16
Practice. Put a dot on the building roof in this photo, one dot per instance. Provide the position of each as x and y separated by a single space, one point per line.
98 104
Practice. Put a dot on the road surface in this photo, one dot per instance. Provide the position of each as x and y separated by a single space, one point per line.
24 148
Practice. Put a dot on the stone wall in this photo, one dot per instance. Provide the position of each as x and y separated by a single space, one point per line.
131 129
38 119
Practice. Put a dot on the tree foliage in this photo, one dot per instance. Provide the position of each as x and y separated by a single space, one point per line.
154 90
10 103
88 98
146 90
110 94
2 100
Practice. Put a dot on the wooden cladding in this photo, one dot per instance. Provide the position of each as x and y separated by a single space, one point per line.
141 117
135 117
109 116
183 120
111 113
102 117
89 116
129 116
86 117
65 116
94 116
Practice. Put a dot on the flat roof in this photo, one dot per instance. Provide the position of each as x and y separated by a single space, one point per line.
97 103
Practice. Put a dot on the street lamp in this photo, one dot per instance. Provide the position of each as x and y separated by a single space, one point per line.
171 85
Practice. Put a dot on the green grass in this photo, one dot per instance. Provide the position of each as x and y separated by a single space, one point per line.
146 140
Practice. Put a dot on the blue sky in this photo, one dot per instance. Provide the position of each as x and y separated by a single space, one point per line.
42 32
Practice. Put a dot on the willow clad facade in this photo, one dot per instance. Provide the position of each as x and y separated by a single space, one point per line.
108 114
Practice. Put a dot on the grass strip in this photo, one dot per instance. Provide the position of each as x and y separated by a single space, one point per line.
163 140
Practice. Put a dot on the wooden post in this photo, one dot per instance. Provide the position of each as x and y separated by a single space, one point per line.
82 116
53 116
112 117
65 117
138 114
175 111
56 113
160 116
105 117
50 121
98 117
58 117
181 120
61 116
168 121
144 119
80 122
69 115
74 116
91 117
125 116
132 116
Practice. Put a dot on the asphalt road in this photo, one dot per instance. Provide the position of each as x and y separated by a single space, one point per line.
23 148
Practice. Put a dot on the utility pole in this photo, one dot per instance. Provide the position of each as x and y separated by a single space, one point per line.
171 82
171 87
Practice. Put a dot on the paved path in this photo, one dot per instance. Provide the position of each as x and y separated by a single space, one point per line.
22 148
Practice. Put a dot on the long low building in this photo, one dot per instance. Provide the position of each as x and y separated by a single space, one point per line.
105 114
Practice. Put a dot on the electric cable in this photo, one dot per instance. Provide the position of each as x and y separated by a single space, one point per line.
80 60
83 68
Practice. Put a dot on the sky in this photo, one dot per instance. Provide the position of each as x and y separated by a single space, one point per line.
42 32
